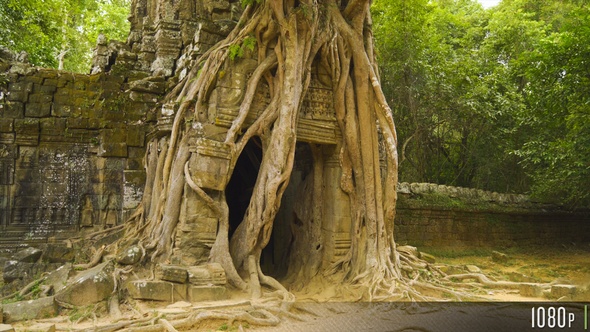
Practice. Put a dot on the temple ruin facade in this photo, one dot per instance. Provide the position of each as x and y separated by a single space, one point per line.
73 146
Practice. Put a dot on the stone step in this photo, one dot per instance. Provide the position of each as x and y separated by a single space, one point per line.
173 292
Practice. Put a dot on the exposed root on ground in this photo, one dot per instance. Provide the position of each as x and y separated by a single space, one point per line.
94 261
26 290
294 39
257 314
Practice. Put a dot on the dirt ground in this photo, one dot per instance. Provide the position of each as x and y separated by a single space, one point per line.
569 265
565 264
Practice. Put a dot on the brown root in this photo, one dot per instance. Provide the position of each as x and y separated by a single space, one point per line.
289 42
94 261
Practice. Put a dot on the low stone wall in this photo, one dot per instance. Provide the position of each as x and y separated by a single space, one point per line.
442 216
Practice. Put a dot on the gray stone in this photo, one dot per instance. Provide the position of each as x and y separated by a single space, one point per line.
6 328
58 278
403 188
106 240
90 287
432 187
172 273
428 257
7 54
57 253
208 274
207 293
129 256
44 307
530 290
499 257
28 255
148 86
14 270
560 291
419 188
157 290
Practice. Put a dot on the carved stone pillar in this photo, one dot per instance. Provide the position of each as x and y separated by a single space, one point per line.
336 210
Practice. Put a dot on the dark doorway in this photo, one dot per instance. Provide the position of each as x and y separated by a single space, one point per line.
238 192
239 189
275 256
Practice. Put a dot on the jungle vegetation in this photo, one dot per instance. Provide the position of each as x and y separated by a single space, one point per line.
496 99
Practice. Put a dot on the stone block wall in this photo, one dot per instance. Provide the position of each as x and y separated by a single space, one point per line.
71 150
72 145
433 215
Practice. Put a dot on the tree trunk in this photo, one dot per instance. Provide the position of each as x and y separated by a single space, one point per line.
292 38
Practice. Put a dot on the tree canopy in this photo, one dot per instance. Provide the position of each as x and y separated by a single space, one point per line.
494 99
61 32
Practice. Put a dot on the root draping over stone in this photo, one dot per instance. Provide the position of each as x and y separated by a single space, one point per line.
292 38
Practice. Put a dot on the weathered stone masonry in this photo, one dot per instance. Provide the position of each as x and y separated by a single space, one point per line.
434 215
72 145
72 148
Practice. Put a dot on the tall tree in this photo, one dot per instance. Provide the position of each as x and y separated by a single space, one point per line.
553 81
486 98
61 33
291 38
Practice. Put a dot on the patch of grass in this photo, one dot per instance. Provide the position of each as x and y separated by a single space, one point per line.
552 273
79 312
438 199
16 298
456 252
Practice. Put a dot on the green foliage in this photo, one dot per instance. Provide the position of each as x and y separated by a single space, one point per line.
557 94
232 327
246 3
50 30
249 43
494 99
237 50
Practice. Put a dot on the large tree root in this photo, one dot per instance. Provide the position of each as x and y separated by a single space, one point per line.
422 281
258 316
294 40
94 261
482 279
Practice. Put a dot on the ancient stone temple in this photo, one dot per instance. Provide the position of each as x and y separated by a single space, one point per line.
72 146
